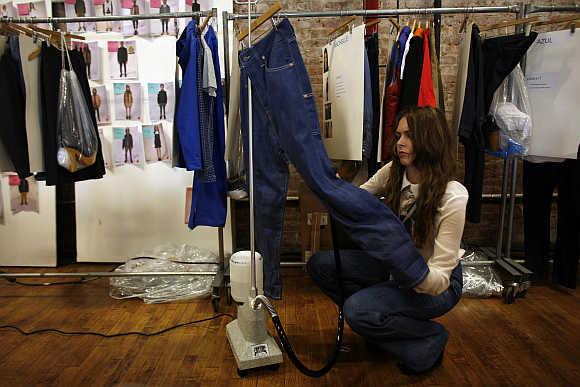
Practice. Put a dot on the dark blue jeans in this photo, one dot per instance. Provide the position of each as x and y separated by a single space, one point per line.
396 320
286 128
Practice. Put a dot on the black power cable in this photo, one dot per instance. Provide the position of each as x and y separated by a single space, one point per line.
340 328
108 336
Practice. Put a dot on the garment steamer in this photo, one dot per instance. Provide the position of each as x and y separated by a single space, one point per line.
251 343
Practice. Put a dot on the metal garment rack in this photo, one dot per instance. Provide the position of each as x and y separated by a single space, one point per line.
512 162
218 282
379 13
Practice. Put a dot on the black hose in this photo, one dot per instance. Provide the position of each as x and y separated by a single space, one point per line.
340 329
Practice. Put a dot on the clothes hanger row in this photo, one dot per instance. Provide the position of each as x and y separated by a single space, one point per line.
268 15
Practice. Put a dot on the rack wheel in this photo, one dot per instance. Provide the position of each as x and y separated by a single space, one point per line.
508 296
229 295
242 373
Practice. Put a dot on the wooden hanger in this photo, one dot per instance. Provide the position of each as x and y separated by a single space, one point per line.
342 25
206 20
556 20
53 38
510 23
274 9
463 25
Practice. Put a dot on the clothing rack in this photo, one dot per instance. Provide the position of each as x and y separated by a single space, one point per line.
521 10
528 9
89 19
218 282
379 13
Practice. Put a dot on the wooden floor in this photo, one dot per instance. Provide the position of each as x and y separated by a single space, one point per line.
535 341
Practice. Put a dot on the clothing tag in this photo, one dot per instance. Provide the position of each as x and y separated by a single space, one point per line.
260 350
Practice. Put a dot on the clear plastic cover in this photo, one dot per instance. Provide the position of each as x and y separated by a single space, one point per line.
76 131
511 111
481 281
166 258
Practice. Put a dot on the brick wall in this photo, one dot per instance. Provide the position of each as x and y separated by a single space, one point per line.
312 35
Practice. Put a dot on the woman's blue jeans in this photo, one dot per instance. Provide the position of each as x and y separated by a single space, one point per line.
394 319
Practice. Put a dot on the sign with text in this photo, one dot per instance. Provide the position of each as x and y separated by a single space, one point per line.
553 80
343 95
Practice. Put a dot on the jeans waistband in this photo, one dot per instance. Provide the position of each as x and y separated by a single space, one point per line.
259 51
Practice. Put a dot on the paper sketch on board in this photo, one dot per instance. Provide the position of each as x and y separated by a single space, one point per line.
127 101
163 26
106 8
122 59
155 142
100 98
161 101
127 145
23 194
80 8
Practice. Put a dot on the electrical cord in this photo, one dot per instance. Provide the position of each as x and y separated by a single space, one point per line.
313 373
108 336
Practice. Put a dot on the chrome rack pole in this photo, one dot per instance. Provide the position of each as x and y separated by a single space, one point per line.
531 8
107 274
226 35
390 12
89 19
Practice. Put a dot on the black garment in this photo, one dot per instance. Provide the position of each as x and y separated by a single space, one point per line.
372 47
490 62
122 55
12 111
50 66
412 74
162 97
540 179
157 140
80 8
23 186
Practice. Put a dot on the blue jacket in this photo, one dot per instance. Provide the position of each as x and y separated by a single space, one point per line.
187 113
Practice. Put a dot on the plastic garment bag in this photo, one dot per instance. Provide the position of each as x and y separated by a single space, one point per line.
76 133
511 112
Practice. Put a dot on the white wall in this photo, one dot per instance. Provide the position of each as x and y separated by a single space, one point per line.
137 208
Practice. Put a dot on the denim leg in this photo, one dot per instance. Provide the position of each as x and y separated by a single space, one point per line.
280 82
399 321
270 185
358 271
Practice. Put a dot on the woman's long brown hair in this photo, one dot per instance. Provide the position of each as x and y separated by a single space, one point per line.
434 146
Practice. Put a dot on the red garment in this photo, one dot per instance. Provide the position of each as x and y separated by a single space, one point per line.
426 91
390 110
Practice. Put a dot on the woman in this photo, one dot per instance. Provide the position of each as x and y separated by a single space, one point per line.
418 185
157 141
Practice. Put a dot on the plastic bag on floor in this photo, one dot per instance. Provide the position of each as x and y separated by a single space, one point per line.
166 258
481 281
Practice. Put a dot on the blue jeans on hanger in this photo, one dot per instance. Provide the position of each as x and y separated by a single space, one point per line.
286 128
393 319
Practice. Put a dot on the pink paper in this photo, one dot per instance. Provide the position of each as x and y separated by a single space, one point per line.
98 2
23 9
69 1
188 2
112 46
13 180
128 4
155 3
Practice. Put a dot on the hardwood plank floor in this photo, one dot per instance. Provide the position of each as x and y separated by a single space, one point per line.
535 341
